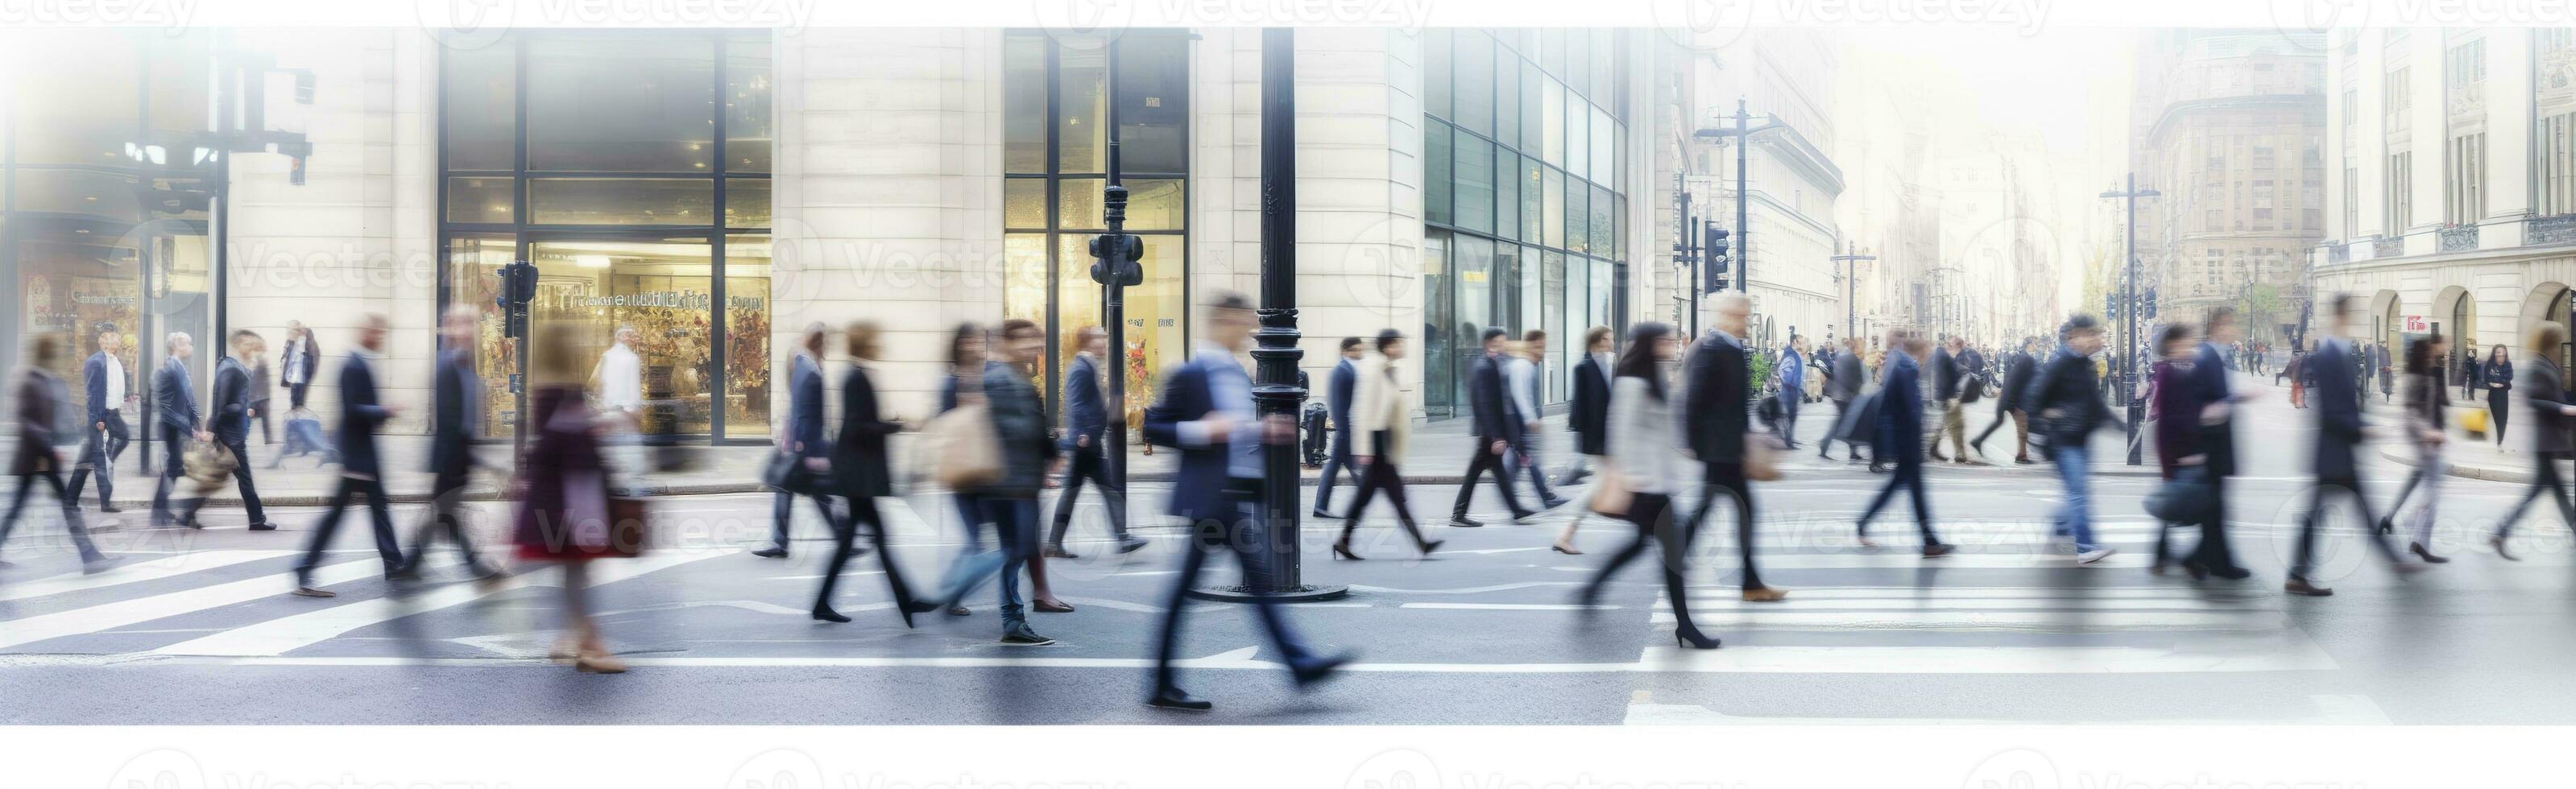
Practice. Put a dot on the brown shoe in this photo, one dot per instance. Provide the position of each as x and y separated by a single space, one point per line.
2300 586
1764 594
1934 551
1052 607
598 662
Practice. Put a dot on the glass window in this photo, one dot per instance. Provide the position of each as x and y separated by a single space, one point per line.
1532 104
1082 100
1507 193
1024 277
747 332
1439 381
1473 87
479 200
1552 223
1507 98
1024 96
746 202
621 201
1551 45
747 105
1435 71
1524 288
1532 189
1578 136
1578 217
1474 266
1153 103
482 114
662 289
1569 338
1077 204
1435 173
1024 202
1601 144
1155 204
1475 195
621 103
1552 118
1578 53
1600 241
474 262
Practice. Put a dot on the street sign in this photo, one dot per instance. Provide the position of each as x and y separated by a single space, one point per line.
2416 324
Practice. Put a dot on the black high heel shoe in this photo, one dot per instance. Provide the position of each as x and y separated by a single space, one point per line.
824 613
1688 640
1342 551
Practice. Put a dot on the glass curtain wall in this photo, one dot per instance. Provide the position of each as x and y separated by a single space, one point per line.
632 169
1523 203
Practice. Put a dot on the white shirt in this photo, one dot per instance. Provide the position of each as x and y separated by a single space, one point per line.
295 372
1520 377
621 378
115 384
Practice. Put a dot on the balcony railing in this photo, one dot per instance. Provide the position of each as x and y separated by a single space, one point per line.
2549 230
2461 238
2394 246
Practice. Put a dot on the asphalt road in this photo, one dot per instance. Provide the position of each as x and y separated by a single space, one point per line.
200 629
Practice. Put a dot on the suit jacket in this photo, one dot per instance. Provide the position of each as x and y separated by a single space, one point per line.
1900 410
859 459
2337 401
232 401
2209 385
174 397
1848 380
2544 386
1085 413
1589 414
1198 485
1020 422
1720 383
41 401
451 441
2066 386
299 349
2017 373
1945 375
1340 388
1381 407
94 378
360 415
1793 374
805 408
1491 407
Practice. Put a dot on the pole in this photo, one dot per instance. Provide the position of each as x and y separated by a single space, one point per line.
1113 311
1689 247
1743 268
2129 334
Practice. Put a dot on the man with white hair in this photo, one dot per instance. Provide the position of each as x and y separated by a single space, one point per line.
174 398
620 379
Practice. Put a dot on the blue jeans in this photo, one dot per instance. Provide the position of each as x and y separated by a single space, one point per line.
1015 523
2074 467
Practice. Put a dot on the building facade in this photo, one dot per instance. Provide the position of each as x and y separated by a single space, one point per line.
718 191
2453 209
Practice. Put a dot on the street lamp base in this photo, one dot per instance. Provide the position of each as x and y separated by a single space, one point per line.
1244 594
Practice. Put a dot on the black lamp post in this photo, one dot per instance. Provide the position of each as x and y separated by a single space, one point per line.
2129 317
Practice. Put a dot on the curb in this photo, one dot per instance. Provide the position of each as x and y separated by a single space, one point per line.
2487 473
471 494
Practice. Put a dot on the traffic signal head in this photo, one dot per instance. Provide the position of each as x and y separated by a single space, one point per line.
1119 253
1717 242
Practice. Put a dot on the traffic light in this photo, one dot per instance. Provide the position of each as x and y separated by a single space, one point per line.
1714 246
518 287
2111 306
1120 251
2151 304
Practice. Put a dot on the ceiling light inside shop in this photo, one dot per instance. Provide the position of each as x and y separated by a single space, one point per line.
590 261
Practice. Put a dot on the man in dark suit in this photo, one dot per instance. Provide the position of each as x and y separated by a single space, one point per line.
1717 398
1900 438
232 426
1945 394
803 438
1496 431
41 400
2337 399
1086 417
1338 392
361 473
2217 443
1843 386
1791 372
174 398
451 445
1205 411
2018 369
1588 412
110 389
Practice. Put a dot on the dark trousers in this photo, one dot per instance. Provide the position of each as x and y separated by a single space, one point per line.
1088 465
845 532
2496 412
174 448
1525 454
782 512
295 394
446 493
99 453
1841 409
1248 541
1381 475
259 411
2349 486
1482 462
2545 479
1787 427
1908 475
1725 482
1335 465
2003 415
1652 514
240 447
377 513
71 511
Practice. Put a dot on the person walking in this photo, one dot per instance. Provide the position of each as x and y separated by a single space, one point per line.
862 472
361 472
1715 428
1339 389
1588 416
619 378
2216 397
1496 430
1792 368
1205 412
2545 393
174 400
802 437
2339 431
2177 409
1843 386
2018 368
1520 373
1900 440
231 425
1641 462
968 349
2498 374
1384 421
107 437
451 446
1086 418
297 363
1010 502
564 517
2428 397
262 389
1947 376
2067 409
42 402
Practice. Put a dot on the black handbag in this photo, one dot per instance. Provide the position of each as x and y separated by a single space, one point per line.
2183 499
787 473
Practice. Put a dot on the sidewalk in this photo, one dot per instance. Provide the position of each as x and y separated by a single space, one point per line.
2476 458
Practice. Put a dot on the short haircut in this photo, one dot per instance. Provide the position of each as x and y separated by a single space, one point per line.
1350 342
1018 326
173 340
2078 322
1493 333
1388 337
105 328
2342 303
2218 315
1534 335
1084 335
1230 300
1595 336
242 335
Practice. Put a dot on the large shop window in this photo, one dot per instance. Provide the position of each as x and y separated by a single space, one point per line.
632 169
1059 96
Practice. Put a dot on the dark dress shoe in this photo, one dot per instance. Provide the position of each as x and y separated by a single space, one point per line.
1939 550
1313 670
824 613
772 552
1431 545
1343 551
1464 522
2300 586
960 610
2230 573
2418 549
1131 545
1693 640
1024 637
110 508
908 608
1321 515
1176 699
1058 552
263 526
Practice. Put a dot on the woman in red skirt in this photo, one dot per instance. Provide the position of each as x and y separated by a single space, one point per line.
564 515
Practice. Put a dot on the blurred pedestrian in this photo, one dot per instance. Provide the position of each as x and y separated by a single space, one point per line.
1900 440
1495 431
1843 386
968 347
565 517
174 399
1792 367
1205 411
2067 408
2339 432
1085 445
2498 374
1642 465
2177 402
262 388
1010 502
1520 373
1384 420
1340 389
2019 366
1588 415
361 472
107 437
298 362
802 437
2544 390
2216 395
2428 398
1947 377
861 474
43 403
620 379
451 446
1715 403
231 423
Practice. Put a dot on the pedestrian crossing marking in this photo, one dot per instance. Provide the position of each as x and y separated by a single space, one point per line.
109 616
134 572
